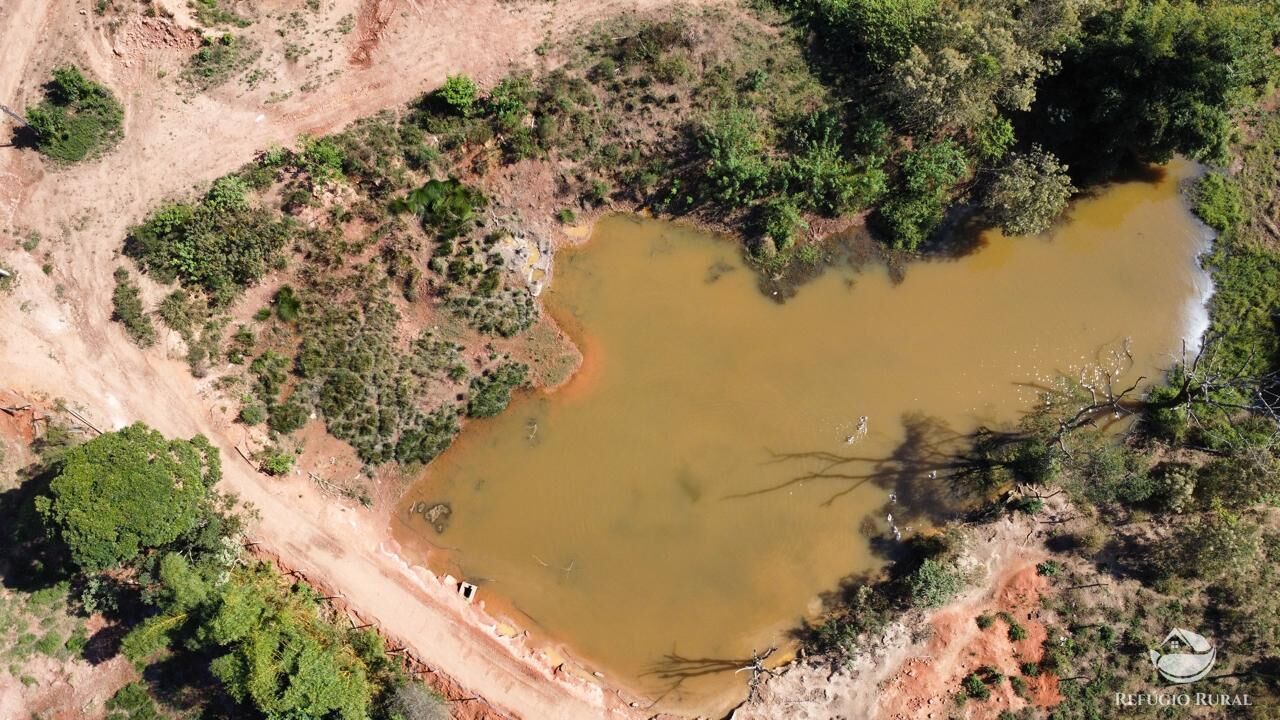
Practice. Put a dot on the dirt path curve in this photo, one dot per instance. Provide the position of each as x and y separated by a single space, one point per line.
56 335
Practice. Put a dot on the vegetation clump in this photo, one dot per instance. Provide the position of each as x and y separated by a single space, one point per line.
132 518
219 59
78 119
491 391
126 492
127 309
221 244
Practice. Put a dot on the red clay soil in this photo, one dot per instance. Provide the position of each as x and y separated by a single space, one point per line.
925 685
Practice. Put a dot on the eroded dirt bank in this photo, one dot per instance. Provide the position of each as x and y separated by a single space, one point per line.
915 668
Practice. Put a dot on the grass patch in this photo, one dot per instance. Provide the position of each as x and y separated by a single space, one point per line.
218 60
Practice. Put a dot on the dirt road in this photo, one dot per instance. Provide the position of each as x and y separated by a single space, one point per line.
56 334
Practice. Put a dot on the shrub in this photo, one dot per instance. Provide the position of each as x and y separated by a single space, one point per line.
218 245
782 220
274 461
242 343
491 391
218 60
975 688
1028 504
1019 687
132 702
127 309
253 414
735 169
915 209
287 417
446 206
1017 632
459 94
287 304
77 119
933 584
1048 568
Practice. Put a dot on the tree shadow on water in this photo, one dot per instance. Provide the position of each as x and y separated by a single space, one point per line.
930 475
674 670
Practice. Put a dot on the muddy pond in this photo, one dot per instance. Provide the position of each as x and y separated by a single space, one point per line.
685 499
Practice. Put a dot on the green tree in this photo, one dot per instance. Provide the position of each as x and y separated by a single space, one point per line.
1029 193
1151 78
128 491
977 58
927 178
1244 478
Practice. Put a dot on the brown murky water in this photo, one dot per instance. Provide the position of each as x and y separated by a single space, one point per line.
693 489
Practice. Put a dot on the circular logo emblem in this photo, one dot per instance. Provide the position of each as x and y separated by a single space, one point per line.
1184 656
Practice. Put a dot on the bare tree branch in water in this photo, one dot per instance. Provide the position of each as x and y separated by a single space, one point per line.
679 669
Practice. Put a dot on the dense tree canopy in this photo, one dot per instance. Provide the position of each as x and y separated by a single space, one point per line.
1147 79
128 491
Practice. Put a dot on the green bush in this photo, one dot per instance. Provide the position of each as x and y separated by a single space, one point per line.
782 221
735 166
933 584
446 206
491 391
77 119
1048 568
132 702
975 688
275 461
220 245
211 12
915 208
287 417
253 414
127 309
287 304
459 93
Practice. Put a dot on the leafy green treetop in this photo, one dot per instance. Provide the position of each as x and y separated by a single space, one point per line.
127 491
